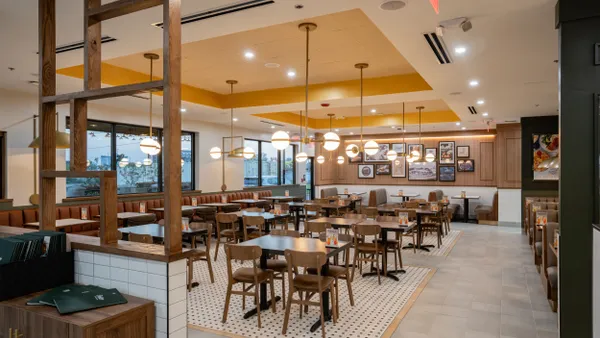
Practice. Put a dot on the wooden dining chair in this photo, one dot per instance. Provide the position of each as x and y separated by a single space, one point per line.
285 232
253 276
433 224
308 284
412 204
254 209
254 227
315 227
412 216
369 251
285 221
200 254
312 211
140 238
394 245
226 228
371 212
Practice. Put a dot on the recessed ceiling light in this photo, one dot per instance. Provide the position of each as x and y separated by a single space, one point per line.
392 5
183 110
458 123
480 102
460 50
249 55
291 73
473 83
235 119
485 114
373 111
463 128
272 127
271 65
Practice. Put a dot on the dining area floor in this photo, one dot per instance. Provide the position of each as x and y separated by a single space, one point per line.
486 287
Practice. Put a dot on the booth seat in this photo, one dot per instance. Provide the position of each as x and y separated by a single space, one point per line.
549 265
438 195
488 212
530 200
378 198
530 225
329 192
18 218
537 235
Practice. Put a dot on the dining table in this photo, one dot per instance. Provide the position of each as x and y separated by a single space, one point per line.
406 196
269 217
157 232
250 202
124 217
296 208
328 207
62 223
219 206
350 193
387 226
276 245
278 199
466 200
420 213
337 222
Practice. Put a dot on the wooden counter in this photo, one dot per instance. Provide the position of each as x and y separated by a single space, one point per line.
136 319
124 248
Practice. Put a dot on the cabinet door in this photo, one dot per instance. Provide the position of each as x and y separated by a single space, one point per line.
8 320
32 325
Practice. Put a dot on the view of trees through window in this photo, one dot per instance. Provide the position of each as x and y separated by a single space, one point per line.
117 147
272 166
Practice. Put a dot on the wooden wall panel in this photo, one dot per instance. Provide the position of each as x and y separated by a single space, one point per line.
508 156
486 163
513 153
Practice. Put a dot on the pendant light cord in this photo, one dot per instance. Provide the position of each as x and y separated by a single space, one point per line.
306 80
403 130
151 70
361 109
231 105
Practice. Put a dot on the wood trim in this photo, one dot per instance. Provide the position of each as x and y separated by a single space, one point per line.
108 210
104 93
486 161
78 137
64 174
397 137
129 249
92 49
508 156
172 124
120 8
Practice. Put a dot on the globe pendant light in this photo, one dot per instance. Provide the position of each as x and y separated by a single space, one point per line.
321 159
124 162
331 139
149 145
280 140
352 150
147 161
371 147
340 160
392 155
302 156
307 27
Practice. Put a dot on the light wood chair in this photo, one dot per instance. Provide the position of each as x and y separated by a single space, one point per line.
226 228
279 266
254 209
140 238
412 204
314 227
433 224
369 251
253 276
200 254
412 215
308 284
283 222
285 232
312 211
371 212
254 227
394 245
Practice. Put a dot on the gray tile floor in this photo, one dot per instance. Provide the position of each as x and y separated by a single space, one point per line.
487 287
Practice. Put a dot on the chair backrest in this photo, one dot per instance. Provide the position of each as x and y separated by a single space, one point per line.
254 209
412 204
223 218
435 195
387 219
355 216
305 259
249 221
367 230
242 253
412 213
313 207
203 226
329 192
283 232
283 207
321 200
140 238
371 212
318 227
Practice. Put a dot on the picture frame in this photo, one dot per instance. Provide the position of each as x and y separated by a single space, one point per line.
545 149
447 173
446 151
466 166
399 167
399 148
422 171
463 151
383 169
417 147
380 156
356 159
366 171
431 151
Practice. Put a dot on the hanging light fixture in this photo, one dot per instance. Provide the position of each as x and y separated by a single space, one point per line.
302 156
371 147
149 145
124 162
63 140
321 159
280 140
392 155
215 153
331 139
147 161
415 154
340 160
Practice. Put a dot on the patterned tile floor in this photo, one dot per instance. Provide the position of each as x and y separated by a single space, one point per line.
486 287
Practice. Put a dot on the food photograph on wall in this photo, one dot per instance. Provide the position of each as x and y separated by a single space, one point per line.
545 157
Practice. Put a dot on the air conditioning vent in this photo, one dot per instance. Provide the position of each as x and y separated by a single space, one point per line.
438 47
79 45
227 9
473 110
272 123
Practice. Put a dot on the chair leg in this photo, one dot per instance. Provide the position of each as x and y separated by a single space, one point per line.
377 262
287 311
301 299
414 243
400 252
244 297
350 294
190 274
337 296
283 289
273 303
354 264
322 315
210 269
217 249
227 299
334 303
257 302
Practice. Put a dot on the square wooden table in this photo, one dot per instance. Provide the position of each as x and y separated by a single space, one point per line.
125 216
157 232
62 223
269 217
276 245
219 206
406 196
338 222
466 204
277 199
249 201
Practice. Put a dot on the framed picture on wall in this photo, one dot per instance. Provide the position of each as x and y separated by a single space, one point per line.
446 152
422 171
383 169
417 147
399 167
399 148
381 155
447 173
432 151
366 171
356 159
545 153
463 151
466 166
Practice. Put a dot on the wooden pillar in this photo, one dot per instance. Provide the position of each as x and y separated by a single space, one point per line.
78 137
47 87
108 208
172 124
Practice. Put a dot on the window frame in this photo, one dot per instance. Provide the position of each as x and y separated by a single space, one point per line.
280 154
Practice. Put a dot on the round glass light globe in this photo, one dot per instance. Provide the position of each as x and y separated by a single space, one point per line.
332 141
87 163
147 161
429 157
123 162
352 150
280 140
138 164
340 160
301 157
215 153
392 155
182 162
321 159
410 159
371 147
415 154
248 153
150 146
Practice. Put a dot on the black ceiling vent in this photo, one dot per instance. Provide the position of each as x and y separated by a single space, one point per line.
228 9
473 110
79 45
438 47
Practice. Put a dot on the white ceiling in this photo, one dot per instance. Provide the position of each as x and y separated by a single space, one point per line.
510 51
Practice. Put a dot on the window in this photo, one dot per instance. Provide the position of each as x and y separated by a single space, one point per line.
272 166
116 147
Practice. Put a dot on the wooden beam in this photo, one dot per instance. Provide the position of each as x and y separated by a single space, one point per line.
92 47
78 137
104 93
47 87
108 210
172 124
119 8
86 174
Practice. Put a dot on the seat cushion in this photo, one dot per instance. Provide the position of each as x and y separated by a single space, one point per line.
311 282
246 275
538 249
553 276
332 271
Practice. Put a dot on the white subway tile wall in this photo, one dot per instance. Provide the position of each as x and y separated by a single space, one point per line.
164 283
